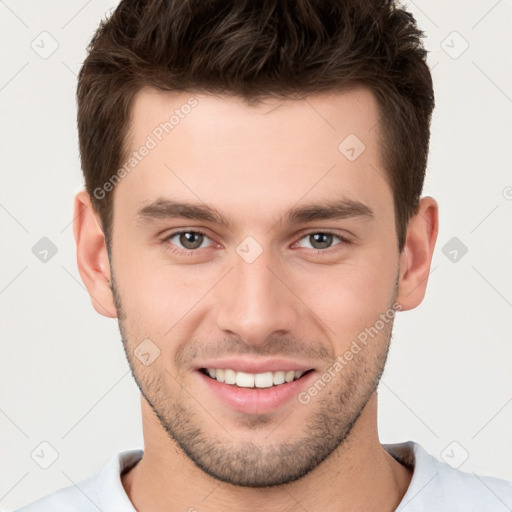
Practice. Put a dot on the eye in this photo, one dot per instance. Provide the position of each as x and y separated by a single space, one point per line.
188 240
321 240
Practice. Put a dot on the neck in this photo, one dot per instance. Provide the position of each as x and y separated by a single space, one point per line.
358 475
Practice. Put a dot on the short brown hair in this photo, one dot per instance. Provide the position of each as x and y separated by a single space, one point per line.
257 49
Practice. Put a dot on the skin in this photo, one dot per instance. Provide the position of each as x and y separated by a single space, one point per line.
253 164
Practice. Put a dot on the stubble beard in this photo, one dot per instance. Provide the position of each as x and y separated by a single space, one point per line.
325 427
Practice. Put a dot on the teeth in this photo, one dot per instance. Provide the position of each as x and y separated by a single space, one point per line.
251 380
278 377
230 376
264 380
244 380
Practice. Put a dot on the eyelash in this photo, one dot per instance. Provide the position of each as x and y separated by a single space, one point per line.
192 252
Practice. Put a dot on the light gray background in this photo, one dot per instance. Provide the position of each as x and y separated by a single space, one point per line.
64 377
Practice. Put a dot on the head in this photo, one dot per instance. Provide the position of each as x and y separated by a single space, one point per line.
253 178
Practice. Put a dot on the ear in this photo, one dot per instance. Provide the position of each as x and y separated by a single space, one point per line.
416 256
92 256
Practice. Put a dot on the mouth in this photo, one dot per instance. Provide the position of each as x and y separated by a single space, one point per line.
264 392
253 380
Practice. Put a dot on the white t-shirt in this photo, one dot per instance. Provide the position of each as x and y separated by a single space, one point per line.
435 487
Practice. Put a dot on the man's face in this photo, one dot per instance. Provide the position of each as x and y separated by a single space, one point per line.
269 292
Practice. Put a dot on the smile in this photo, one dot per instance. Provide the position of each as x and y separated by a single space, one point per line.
253 380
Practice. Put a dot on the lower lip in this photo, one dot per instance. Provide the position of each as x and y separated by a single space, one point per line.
256 400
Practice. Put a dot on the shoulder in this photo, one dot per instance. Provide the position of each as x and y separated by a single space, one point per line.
102 491
435 485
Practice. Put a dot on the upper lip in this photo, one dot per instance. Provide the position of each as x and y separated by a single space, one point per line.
255 365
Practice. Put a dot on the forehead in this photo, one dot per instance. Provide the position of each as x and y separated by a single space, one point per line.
211 117
219 149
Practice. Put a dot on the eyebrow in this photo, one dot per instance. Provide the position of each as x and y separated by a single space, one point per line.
326 210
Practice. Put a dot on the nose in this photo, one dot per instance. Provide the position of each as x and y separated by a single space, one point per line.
256 301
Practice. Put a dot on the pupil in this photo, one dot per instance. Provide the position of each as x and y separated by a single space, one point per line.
323 239
186 239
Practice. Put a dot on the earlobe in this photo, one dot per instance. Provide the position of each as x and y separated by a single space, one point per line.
92 256
416 257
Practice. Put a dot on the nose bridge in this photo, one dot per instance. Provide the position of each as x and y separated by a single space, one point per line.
254 302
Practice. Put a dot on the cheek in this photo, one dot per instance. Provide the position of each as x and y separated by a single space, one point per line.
350 297
160 299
